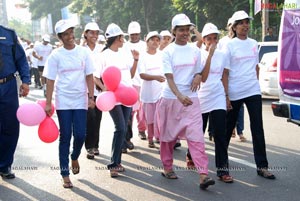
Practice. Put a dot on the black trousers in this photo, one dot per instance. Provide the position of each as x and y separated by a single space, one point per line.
254 107
94 117
217 120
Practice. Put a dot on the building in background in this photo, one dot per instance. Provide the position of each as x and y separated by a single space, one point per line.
3 13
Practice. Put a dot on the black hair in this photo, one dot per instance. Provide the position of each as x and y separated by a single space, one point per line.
232 32
110 41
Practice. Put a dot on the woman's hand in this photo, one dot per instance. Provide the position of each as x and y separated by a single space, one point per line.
196 83
185 100
91 103
48 109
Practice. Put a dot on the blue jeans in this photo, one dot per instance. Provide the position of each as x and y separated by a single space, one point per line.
254 107
71 122
120 115
240 121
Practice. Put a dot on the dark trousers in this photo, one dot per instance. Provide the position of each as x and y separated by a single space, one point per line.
120 115
35 73
94 117
217 120
254 107
9 124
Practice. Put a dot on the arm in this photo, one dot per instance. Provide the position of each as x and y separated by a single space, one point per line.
90 86
225 84
135 55
185 100
99 84
148 77
199 37
257 71
206 69
37 56
49 92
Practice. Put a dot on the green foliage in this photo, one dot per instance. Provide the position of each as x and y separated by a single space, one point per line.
22 29
152 14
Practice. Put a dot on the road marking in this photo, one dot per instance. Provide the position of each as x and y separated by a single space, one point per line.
237 160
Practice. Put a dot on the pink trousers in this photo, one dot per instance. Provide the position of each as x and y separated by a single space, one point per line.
197 150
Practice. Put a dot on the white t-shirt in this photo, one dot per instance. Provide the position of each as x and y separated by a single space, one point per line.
223 43
95 54
69 69
212 93
32 58
44 51
118 59
183 61
151 65
243 58
141 47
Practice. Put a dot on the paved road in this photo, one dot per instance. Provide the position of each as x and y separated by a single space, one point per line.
36 168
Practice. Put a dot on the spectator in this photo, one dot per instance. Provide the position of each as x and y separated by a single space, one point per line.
270 35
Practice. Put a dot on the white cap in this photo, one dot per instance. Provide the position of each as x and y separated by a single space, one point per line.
92 26
101 38
113 30
209 28
165 33
230 21
46 38
181 20
62 25
240 15
134 28
152 34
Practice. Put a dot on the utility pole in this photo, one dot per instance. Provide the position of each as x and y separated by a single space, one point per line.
251 15
264 18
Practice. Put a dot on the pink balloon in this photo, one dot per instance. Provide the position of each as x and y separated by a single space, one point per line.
106 101
48 130
111 78
43 104
126 95
30 114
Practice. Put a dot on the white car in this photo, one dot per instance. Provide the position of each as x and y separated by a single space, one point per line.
268 78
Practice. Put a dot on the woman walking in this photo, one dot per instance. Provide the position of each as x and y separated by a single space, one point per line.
70 68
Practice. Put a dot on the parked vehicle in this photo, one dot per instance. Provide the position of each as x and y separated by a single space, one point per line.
289 65
268 78
266 47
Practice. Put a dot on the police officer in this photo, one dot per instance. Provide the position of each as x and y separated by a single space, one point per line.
12 60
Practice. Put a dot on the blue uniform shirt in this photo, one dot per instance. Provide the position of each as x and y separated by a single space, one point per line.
12 55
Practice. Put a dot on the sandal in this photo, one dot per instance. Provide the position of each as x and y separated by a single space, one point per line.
151 145
169 175
242 138
75 167
67 183
120 168
206 183
265 174
113 173
226 178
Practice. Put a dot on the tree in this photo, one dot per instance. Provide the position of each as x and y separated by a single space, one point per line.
22 29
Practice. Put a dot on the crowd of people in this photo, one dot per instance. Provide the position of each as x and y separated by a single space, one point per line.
183 83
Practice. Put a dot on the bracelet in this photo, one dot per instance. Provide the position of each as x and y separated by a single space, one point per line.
136 59
91 97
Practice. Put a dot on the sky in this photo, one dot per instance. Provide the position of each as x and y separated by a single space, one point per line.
13 12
